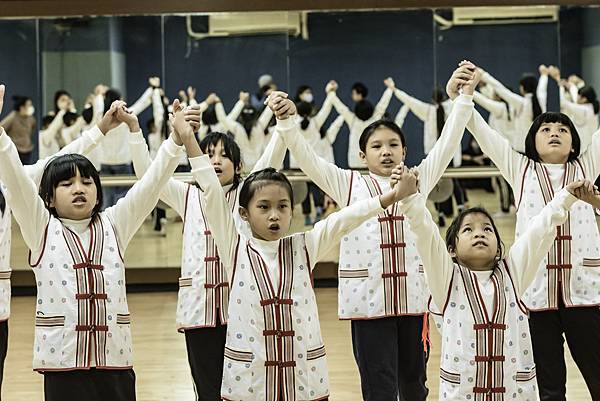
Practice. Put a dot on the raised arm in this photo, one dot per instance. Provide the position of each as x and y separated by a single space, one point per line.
322 115
22 195
494 107
401 116
334 129
273 155
542 90
384 101
69 134
419 108
263 121
235 112
158 109
514 100
437 263
143 102
529 250
342 109
49 134
590 159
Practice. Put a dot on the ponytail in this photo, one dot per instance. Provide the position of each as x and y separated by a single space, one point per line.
529 84
304 123
438 97
304 110
537 110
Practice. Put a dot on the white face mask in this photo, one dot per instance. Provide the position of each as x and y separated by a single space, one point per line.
30 110
307 97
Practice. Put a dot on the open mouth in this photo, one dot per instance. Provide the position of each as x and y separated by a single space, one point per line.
79 200
274 227
218 170
554 142
387 162
480 244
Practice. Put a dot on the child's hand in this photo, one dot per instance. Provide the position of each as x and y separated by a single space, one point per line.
554 72
405 182
244 97
191 92
389 83
193 116
182 96
181 128
586 191
110 121
278 102
576 80
124 115
543 69
331 86
154 82
461 76
469 87
212 98
2 90
100 90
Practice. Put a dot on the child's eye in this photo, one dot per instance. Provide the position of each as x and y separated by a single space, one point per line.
283 206
466 229
488 229
563 130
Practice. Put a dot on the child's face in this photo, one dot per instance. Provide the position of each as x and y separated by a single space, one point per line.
63 102
269 212
553 142
356 97
75 198
476 244
383 152
222 164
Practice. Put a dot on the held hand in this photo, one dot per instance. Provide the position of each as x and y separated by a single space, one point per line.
191 92
469 87
554 72
586 191
193 116
110 121
543 69
182 96
331 86
576 80
124 115
244 97
404 183
182 129
100 90
461 76
212 99
154 82
389 83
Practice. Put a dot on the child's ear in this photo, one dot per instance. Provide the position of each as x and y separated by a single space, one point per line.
451 252
239 169
243 213
404 150
363 156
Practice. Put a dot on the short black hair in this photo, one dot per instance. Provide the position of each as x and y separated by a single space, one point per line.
371 128
57 95
364 109
64 168
260 179
301 89
209 116
232 151
19 101
88 114
590 94
529 83
454 229
69 118
361 89
551 117
110 97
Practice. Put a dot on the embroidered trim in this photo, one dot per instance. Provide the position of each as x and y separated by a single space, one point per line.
316 353
5 275
523 376
185 282
452 378
49 321
591 262
239 356
123 318
362 273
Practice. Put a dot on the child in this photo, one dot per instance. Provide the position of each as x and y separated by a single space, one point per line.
203 286
5 271
381 285
208 108
564 296
20 125
527 106
82 333
274 350
363 115
486 348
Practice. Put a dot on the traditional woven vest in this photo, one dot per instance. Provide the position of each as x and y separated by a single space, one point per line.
486 355
380 272
572 267
82 319
274 343
203 297
5 234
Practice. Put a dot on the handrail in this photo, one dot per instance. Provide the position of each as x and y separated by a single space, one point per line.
298 176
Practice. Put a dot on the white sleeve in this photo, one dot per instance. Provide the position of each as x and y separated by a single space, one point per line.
333 180
383 104
542 92
334 129
158 109
514 100
442 153
218 212
437 263
97 109
22 195
273 155
590 160
264 119
496 108
419 108
580 113
69 134
498 149
49 134
130 211
322 115
174 192
227 122
236 110
401 116
574 92
530 249
327 233
142 103
82 145
342 109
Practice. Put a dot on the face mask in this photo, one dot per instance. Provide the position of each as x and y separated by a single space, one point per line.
307 97
30 110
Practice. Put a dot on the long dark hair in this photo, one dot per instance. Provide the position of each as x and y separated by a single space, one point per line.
529 83
231 148
590 94
57 95
439 96
63 168
551 117
304 111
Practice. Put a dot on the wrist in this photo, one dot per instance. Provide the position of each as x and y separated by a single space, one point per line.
134 127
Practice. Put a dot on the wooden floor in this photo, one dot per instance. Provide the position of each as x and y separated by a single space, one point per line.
160 358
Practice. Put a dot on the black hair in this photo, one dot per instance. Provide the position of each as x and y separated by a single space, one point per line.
64 168
454 229
57 95
371 128
19 101
551 117
590 94
304 110
364 109
299 91
439 96
529 83
361 89
263 89
150 125
88 114
248 118
111 96
69 118
209 116
260 179
231 148
46 121
2 203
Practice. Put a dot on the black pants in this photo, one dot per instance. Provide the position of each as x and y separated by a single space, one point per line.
205 349
159 214
90 385
390 357
506 194
581 327
3 349
317 196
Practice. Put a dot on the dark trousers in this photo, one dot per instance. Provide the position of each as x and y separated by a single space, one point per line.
581 328
25 158
317 196
205 349
506 194
112 194
159 214
390 357
3 349
90 385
